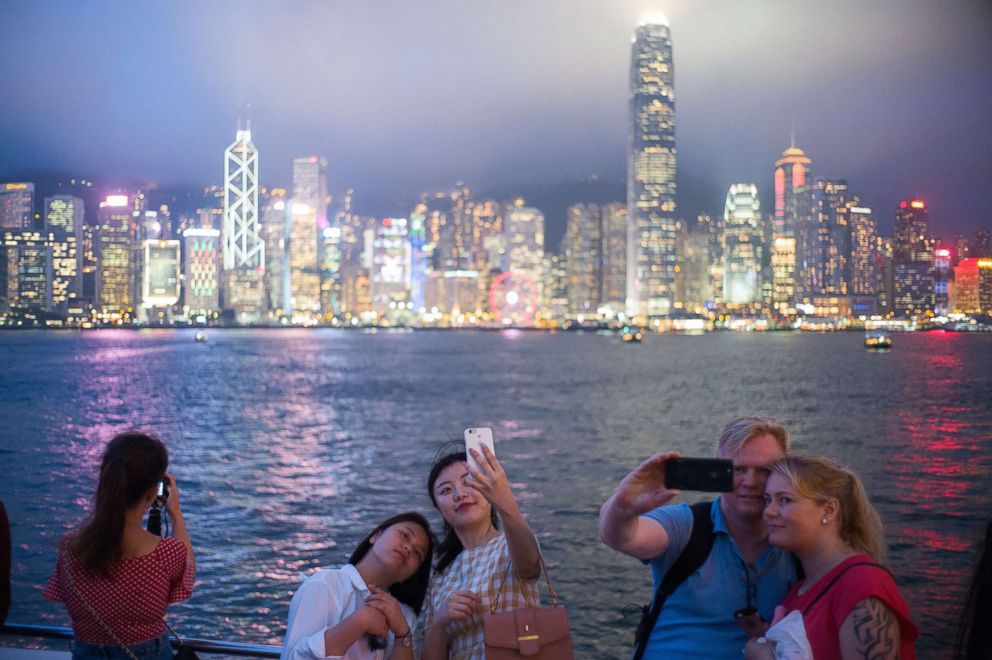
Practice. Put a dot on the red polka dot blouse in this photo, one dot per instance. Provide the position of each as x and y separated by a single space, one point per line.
131 599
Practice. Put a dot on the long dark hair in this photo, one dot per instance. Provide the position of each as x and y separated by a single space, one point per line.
974 640
450 546
132 463
411 591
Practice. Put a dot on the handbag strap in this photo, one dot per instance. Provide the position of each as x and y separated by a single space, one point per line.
96 617
838 577
494 603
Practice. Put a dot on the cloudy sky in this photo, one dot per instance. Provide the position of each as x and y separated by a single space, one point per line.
402 97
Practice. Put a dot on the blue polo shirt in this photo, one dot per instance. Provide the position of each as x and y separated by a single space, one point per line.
697 621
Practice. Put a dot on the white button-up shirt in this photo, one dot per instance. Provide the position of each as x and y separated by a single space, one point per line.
325 599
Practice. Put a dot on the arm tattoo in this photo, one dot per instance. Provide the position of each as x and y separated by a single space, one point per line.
876 630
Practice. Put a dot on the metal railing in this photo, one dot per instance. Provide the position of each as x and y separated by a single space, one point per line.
201 645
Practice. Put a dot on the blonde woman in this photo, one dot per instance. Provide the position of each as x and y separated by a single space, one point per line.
849 602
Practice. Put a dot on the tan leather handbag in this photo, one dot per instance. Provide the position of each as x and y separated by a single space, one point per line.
535 633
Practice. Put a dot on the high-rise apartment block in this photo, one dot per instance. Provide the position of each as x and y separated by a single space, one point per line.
651 159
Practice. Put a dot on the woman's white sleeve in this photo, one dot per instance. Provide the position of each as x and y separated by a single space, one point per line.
309 615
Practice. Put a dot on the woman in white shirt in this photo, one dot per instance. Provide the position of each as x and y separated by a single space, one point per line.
367 608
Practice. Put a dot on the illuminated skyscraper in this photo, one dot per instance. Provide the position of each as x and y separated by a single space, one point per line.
942 279
826 262
864 261
275 233
115 263
244 250
64 222
308 213
582 247
524 229
160 278
973 286
201 262
614 292
912 259
243 247
27 256
16 205
743 248
391 268
651 225
792 234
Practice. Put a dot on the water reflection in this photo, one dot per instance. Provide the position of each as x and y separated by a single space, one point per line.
290 445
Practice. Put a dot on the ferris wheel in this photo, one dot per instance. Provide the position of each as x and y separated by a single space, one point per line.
513 298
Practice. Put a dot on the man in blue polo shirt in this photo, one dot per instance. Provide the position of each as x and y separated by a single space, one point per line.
741 571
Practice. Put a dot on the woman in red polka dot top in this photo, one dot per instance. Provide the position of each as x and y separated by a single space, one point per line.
113 570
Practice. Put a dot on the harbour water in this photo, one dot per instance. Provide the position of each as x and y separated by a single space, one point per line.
289 445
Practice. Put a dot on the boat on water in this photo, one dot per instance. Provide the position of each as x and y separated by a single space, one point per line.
876 339
631 334
200 337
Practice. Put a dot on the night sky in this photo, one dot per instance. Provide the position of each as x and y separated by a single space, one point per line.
403 97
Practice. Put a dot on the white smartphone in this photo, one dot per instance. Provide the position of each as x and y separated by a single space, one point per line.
474 439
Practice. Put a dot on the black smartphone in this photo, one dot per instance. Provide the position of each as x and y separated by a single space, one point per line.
711 475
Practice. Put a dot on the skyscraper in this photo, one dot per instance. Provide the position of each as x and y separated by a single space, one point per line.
651 226
16 205
308 214
244 250
615 256
912 259
243 247
115 271
64 222
524 228
743 249
864 262
792 231
201 299
582 247
829 241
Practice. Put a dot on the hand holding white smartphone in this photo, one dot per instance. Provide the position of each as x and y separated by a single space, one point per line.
474 439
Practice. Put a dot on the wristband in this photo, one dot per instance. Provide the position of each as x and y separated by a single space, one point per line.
404 640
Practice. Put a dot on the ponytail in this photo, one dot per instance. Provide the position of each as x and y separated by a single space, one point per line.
132 463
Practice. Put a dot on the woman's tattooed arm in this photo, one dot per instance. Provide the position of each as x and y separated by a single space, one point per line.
870 632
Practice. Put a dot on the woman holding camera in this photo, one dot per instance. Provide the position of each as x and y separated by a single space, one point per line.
115 578
365 610
477 560
849 603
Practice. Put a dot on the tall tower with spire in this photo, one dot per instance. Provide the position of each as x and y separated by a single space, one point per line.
243 248
790 244
651 226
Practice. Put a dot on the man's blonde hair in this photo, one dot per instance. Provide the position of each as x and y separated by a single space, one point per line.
739 430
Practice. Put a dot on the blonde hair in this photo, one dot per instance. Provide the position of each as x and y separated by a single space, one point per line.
741 429
820 479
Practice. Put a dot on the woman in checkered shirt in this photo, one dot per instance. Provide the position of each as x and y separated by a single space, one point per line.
488 552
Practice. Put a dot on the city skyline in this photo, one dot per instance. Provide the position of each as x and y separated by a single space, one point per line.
908 123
